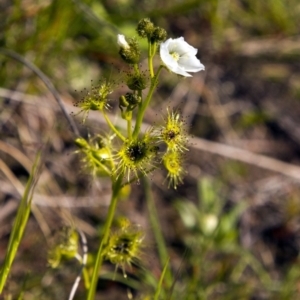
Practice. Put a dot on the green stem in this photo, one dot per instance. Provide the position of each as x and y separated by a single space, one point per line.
136 68
104 168
153 50
159 238
86 278
99 259
143 106
112 127
129 128
150 59
151 53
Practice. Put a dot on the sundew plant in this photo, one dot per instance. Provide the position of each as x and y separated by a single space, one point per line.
128 156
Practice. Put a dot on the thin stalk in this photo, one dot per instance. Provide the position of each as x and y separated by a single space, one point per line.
150 59
129 124
107 171
86 278
112 127
159 238
143 106
99 259
20 221
153 50
136 68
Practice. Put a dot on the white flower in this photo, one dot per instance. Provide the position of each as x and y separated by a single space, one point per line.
180 57
122 42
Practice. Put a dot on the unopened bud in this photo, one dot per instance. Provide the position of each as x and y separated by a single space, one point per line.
159 35
129 51
145 28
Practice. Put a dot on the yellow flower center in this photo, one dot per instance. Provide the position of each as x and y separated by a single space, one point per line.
175 56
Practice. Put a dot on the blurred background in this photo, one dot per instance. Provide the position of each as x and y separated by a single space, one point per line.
232 228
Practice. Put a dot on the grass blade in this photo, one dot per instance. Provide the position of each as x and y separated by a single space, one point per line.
161 279
20 221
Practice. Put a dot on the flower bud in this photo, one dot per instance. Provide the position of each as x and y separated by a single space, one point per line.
129 51
81 143
130 101
159 35
145 28
136 82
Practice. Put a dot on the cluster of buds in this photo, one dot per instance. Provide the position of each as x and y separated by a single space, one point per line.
154 34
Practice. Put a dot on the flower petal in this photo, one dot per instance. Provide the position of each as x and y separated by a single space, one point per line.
181 71
180 57
166 57
122 41
191 64
182 47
